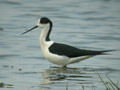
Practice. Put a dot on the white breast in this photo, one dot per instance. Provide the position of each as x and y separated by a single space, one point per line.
54 58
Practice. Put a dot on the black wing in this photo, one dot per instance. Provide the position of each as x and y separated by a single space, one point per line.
69 51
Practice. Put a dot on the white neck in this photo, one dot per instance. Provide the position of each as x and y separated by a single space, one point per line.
43 36
44 33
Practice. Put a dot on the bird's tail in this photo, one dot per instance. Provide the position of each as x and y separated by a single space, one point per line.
105 52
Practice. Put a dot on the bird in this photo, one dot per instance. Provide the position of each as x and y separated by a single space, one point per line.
58 53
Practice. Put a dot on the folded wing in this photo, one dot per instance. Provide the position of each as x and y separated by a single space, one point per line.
71 52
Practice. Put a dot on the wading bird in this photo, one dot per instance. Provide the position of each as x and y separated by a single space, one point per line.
58 53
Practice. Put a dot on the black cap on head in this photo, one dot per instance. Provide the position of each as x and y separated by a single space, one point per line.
44 20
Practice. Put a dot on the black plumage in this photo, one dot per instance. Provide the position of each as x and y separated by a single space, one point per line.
71 52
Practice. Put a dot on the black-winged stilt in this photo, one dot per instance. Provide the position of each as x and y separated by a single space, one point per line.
57 53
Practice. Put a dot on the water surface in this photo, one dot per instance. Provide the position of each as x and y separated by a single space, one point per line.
87 24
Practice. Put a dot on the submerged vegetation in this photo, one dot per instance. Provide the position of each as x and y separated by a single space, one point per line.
110 85
4 85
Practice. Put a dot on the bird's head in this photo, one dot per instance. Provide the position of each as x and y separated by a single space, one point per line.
42 23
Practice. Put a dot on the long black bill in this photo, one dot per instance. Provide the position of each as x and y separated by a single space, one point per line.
30 29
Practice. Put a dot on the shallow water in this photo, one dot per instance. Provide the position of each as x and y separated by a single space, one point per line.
87 24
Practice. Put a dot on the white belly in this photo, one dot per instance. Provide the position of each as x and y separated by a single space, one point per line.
59 59
56 59
62 60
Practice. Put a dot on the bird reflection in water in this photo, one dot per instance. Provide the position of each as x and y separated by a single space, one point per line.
57 75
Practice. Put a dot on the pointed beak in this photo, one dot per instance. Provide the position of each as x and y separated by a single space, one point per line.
30 30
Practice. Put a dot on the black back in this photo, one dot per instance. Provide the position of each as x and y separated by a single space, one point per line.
69 51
